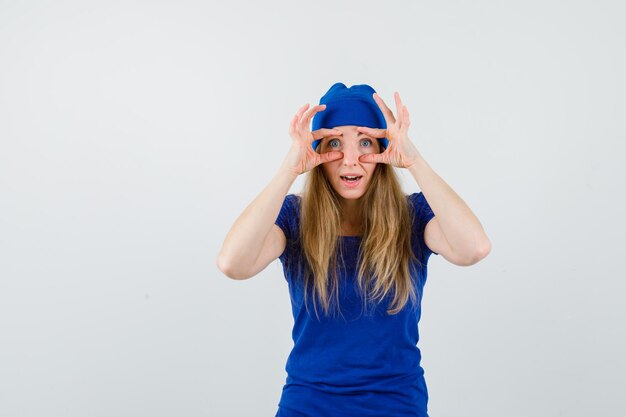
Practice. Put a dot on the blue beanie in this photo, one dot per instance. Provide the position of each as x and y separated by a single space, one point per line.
347 107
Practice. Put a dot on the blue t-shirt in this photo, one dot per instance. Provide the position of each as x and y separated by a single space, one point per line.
362 363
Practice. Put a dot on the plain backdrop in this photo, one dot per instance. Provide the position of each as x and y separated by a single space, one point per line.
134 133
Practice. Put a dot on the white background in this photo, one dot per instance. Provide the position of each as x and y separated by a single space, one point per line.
134 133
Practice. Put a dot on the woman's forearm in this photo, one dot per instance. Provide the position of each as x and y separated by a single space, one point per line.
458 223
245 239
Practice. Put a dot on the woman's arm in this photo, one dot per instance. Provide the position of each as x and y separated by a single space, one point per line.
249 246
245 240
455 232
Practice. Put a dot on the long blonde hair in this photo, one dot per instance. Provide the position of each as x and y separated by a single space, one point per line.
385 252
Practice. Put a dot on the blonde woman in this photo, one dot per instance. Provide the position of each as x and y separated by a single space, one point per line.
354 250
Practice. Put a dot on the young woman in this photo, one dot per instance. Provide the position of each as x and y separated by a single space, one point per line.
353 247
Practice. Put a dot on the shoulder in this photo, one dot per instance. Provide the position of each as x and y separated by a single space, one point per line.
418 203
418 200
295 198
289 216
415 197
292 202
423 217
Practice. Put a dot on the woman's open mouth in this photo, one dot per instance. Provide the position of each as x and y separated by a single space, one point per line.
351 182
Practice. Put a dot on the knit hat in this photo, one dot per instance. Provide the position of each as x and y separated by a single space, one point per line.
349 106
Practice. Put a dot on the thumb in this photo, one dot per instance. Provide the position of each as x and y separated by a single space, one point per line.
331 156
371 158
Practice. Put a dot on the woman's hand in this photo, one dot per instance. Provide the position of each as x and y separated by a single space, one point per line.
301 157
400 150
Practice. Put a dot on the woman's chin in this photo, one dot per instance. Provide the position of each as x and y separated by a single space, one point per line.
351 194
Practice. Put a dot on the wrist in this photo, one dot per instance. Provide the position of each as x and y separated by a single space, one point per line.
287 172
415 160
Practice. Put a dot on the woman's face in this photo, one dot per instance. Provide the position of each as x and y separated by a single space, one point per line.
353 144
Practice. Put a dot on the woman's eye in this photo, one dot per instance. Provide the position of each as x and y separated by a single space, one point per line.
368 141
330 143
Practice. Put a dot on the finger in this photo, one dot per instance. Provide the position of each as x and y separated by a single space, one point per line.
396 96
292 125
302 114
302 109
387 113
406 122
322 133
331 156
306 119
375 133
372 158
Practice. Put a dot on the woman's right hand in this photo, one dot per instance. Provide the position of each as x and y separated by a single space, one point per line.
301 157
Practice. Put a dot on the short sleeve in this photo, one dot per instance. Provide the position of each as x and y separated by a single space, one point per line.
287 220
423 214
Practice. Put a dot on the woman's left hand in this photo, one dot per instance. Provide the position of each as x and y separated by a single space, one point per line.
400 152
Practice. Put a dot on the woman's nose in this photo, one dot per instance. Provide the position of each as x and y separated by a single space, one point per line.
350 155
